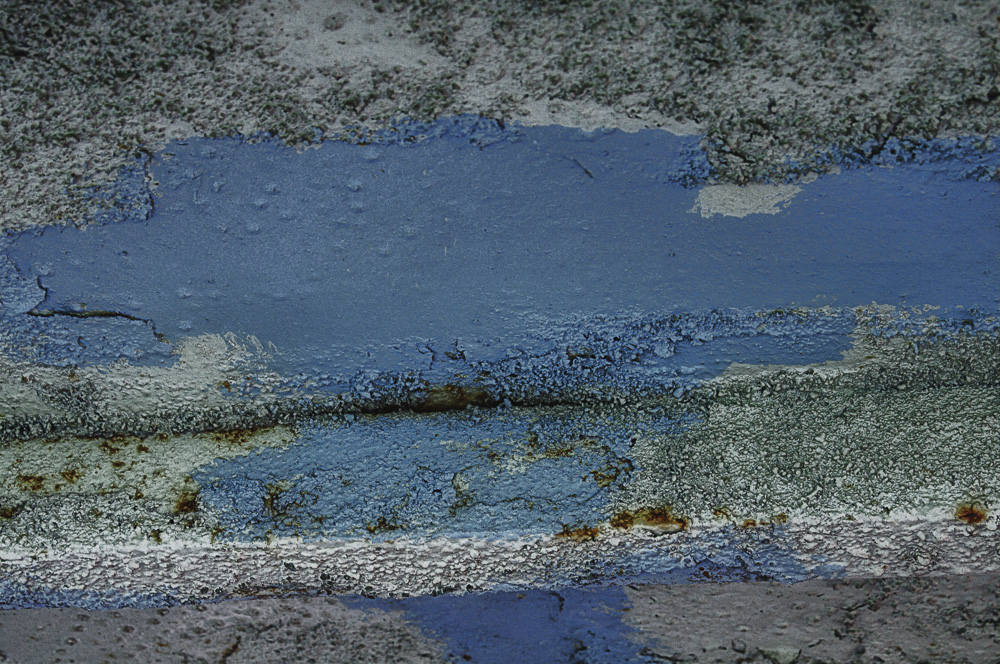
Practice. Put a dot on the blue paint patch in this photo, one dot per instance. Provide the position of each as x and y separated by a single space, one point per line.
446 474
67 340
571 625
466 248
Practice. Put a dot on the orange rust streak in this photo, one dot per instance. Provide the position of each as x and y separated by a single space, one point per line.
658 517
971 514
583 533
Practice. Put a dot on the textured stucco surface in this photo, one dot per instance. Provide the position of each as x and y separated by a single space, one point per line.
378 302
87 86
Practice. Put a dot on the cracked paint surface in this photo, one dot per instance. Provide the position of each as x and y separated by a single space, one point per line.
467 356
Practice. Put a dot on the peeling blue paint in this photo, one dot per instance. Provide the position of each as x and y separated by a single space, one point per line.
533 263
501 245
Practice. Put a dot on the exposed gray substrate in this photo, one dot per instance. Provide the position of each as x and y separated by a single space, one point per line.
897 425
274 631
890 621
86 86
902 621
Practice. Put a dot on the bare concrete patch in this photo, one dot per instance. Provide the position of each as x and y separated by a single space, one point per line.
87 89
257 630
730 200
890 620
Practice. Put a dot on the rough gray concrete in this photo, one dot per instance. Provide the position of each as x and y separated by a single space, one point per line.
885 621
261 630
945 619
86 86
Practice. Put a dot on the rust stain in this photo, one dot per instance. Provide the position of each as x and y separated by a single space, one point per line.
9 512
155 536
660 518
971 513
274 491
108 448
31 482
452 397
187 503
381 526
557 452
583 533
615 467
71 475
237 436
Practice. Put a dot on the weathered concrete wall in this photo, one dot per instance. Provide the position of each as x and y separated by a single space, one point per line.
499 345
946 619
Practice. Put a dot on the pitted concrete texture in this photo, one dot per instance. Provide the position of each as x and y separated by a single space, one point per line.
262 630
865 621
886 621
